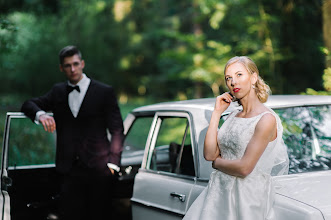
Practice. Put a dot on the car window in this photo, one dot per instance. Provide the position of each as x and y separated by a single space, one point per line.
173 149
29 144
321 134
307 134
137 135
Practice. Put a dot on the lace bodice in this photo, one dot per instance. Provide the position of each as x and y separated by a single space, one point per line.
234 136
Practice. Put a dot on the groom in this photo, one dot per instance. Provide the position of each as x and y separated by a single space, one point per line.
84 112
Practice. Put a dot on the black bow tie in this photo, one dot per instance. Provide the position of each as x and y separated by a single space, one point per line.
71 88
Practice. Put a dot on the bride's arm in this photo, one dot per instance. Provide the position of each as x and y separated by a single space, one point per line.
265 132
211 150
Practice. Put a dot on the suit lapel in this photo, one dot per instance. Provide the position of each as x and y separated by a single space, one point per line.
88 96
66 100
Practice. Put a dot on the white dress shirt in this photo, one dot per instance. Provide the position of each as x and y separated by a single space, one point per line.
76 98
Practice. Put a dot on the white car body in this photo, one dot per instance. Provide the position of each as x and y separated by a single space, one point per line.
160 194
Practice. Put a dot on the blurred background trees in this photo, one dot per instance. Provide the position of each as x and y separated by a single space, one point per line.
165 49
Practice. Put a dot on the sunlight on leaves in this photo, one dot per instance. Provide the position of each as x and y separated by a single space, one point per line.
327 79
197 59
125 63
217 16
123 98
182 96
142 90
325 51
310 91
100 6
122 9
200 74
136 39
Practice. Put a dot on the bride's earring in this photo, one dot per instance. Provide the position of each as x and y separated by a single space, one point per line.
253 86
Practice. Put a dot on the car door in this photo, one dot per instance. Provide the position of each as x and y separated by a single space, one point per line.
28 173
164 182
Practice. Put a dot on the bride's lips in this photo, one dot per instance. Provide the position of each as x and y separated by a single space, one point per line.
236 90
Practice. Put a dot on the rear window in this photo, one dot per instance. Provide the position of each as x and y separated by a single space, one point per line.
307 134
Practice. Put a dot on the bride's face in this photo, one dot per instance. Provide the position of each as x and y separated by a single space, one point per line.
239 80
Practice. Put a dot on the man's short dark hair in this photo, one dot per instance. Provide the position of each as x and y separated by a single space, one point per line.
69 51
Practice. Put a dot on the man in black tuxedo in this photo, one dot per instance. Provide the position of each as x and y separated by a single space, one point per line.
85 112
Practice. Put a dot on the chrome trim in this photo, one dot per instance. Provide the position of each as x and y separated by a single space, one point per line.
25 167
180 196
153 206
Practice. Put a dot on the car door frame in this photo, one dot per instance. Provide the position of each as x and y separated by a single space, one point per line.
5 180
139 201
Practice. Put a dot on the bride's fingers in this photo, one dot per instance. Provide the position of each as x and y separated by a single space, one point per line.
227 98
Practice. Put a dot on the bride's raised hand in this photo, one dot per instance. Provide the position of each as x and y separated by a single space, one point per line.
211 149
223 101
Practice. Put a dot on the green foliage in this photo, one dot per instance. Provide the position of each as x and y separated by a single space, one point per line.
29 144
136 138
7 31
327 79
326 83
161 49
29 68
172 130
310 91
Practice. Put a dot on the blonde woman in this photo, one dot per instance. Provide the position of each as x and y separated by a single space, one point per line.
245 152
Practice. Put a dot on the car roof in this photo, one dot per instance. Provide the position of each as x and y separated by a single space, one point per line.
274 101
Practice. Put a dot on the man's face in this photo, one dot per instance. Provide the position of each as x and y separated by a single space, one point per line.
73 68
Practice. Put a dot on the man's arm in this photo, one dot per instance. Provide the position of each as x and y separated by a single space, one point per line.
115 127
35 109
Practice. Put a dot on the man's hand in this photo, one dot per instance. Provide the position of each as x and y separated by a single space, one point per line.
112 171
48 122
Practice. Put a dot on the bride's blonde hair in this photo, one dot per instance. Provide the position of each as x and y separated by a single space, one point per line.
262 90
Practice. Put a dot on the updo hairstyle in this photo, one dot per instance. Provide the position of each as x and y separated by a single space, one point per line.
262 90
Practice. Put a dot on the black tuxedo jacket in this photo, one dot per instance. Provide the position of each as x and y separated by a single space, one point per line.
83 137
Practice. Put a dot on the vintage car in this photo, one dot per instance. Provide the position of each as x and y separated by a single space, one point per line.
163 157
174 172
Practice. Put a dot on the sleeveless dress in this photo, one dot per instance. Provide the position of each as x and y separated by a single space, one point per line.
233 198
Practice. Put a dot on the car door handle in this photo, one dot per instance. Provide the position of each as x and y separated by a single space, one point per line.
181 197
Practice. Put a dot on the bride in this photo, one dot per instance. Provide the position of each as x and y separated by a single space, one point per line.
245 152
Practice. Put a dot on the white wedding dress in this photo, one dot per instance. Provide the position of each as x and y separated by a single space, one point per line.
233 198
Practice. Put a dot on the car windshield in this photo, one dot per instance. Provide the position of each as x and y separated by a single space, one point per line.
307 134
